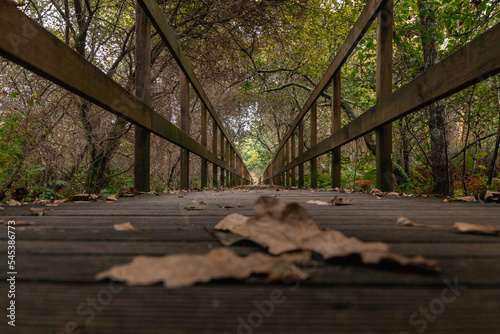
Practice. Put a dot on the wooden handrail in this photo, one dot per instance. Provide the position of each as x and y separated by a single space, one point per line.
25 42
167 34
473 63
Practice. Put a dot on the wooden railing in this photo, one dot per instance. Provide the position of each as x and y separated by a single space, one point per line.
26 43
474 62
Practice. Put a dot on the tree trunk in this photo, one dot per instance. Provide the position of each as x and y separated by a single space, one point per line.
491 170
441 168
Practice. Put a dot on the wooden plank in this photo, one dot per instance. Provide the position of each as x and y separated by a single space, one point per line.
168 36
185 126
474 62
336 125
229 307
28 44
384 88
142 144
223 156
314 141
203 130
357 32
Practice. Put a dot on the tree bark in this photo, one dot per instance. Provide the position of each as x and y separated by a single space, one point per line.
441 168
494 157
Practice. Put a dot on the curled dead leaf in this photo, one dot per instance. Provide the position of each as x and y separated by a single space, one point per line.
284 227
460 199
492 197
112 198
13 202
182 270
83 197
124 227
37 211
475 228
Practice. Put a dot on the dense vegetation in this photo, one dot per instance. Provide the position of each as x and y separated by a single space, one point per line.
258 61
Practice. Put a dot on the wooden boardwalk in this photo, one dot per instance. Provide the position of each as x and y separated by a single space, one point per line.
58 258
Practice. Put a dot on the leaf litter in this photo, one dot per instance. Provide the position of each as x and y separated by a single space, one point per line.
336 201
284 228
124 227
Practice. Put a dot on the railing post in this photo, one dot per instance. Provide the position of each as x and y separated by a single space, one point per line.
184 90
336 125
228 160
292 142
301 151
314 141
215 128
384 88
142 145
287 157
222 156
203 130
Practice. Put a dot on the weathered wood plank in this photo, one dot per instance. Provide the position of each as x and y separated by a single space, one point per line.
336 125
384 88
185 126
142 144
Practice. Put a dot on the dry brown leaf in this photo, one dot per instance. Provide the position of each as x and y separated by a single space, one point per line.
475 228
41 201
336 201
13 202
460 199
37 211
112 198
492 197
405 220
124 227
182 270
196 207
52 205
59 201
376 192
83 197
241 206
289 227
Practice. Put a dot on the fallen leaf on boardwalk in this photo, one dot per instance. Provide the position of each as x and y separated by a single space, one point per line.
37 211
59 201
182 270
41 201
336 201
13 202
289 227
460 199
491 197
196 207
475 228
286 270
124 227
376 192
228 238
241 206
83 198
51 205
129 192
405 220
181 196
112 198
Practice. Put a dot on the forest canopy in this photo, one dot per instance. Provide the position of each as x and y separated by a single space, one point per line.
258 61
